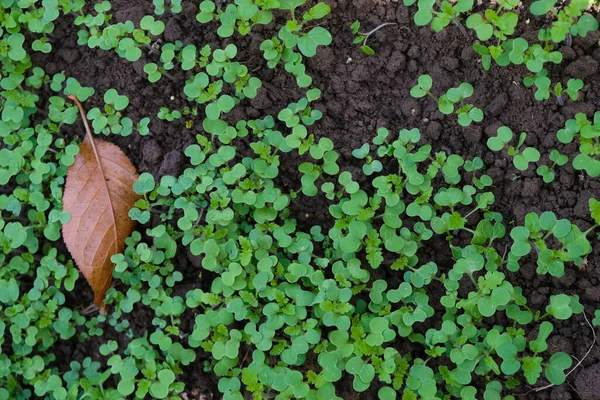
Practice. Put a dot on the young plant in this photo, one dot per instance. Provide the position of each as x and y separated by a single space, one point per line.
573 243
588 133
152 26
174 6
440 17
518 51
570 19
165 114
543 83
500 23
109 120
521 158
547 173
466 113
572 90
240 16
362 37
292 34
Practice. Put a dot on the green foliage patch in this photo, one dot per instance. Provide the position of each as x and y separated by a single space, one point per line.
277 308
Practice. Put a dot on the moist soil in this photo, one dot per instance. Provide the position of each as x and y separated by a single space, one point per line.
359 94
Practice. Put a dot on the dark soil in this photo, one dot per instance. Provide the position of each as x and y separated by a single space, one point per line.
360 94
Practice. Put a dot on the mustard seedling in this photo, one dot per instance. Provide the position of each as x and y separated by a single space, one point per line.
467 113
362 37
548 172
571 19
521 158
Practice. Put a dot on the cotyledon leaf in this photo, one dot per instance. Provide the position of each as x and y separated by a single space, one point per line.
98 195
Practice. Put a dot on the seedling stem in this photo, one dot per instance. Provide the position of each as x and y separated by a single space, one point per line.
366 49
366 35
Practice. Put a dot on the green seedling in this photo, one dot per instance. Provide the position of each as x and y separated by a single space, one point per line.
295 32
122 37
447 12
542 83
155 28
129 49
362 37
165 114
224 104
110 120
521 158
570 20
518 51
159 6
572 90
243 15
504 136
574 245
547 173
190 57
93 23
423 87
275 52
588 133
118 102
143 126
499 23
466 113
41 45
371 165
154 72
308 43
535 57
563 306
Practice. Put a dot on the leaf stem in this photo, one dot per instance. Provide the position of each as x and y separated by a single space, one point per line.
84 118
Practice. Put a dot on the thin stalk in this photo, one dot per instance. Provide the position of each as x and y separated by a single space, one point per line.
539 389
589 230
372 31
367 34
456 22
433 97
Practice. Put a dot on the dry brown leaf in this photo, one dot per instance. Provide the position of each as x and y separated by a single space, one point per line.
98 195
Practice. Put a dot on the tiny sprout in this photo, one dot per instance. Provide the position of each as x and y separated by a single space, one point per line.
422 88
466 113
547 172
498 142
364 36
521 158
572 90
